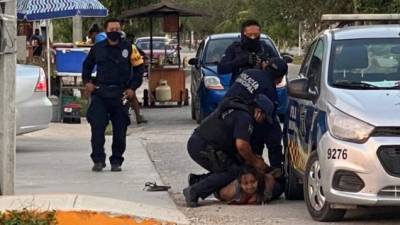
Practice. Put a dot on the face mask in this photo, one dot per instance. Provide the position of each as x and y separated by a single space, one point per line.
114 36
253 45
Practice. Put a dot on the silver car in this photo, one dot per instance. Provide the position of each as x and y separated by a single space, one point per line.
33 108
343 128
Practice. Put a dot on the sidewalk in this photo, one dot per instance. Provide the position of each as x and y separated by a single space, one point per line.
57 160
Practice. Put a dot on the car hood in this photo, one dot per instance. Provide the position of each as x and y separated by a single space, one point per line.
377 107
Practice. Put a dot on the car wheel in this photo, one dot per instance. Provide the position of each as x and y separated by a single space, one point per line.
193 109
318 207
293 188
198 112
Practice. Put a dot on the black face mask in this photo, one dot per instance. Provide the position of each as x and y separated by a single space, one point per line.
252 45
114 36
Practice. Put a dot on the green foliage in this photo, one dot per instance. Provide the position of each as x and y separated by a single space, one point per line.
279 18
28 217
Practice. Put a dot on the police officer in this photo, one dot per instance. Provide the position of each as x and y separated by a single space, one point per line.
248 85
221 144
246 54
109 93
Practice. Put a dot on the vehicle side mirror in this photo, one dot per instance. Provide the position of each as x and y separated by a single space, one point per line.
287 58
298 88
194 61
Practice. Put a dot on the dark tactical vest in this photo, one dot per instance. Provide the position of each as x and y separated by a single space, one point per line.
215 130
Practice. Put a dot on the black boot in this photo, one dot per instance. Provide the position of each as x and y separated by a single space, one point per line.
98 167
195 178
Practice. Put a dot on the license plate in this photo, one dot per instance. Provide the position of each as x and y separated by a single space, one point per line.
68 110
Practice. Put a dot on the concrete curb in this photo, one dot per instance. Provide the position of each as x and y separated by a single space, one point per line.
73 202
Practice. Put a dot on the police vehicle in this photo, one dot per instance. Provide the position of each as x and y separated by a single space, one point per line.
342 145
208 87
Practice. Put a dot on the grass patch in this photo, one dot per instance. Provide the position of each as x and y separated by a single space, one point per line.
28 217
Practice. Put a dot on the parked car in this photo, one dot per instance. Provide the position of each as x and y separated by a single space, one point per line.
343 126
208 87
161 48
33 108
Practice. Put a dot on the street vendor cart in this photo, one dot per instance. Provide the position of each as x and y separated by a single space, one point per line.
166 80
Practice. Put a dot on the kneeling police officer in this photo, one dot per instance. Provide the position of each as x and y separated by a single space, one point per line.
221 145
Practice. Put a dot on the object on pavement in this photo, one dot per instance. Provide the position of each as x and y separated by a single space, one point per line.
152 187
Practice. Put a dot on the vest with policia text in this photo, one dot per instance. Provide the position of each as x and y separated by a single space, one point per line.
215 130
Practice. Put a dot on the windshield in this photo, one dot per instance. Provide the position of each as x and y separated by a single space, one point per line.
365 64
157 44
216 49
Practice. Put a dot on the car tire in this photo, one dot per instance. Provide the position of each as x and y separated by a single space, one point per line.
145 98
318 207
186 99
193 109
293 188
199 113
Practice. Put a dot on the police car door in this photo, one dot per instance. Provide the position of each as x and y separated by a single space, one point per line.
302 110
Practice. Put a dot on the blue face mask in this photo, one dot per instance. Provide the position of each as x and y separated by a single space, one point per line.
114 36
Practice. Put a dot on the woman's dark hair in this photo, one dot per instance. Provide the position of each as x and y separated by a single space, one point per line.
260 180
248 23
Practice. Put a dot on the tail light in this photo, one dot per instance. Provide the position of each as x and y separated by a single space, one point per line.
41 85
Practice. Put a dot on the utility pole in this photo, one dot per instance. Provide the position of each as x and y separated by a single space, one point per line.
8 61
76 29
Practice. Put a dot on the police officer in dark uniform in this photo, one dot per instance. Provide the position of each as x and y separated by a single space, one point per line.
221 144
246 54
109 93
247 86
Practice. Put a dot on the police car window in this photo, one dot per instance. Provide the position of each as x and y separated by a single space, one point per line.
306 61
365 63
315 66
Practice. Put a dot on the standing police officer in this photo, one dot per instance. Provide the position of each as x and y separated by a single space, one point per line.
221 145
247 86
109 91
246 54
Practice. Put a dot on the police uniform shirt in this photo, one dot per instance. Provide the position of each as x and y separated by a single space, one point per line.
241 124
113 64
252 82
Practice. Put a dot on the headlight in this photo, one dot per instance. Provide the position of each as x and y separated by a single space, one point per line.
213 82
346 127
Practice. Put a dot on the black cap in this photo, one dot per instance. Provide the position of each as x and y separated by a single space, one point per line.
278 66
266 105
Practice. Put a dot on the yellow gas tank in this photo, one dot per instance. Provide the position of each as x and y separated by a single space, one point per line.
163 91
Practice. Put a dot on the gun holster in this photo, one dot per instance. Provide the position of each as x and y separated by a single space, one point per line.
219 160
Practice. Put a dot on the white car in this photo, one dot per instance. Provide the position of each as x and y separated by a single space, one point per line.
33 108
343 128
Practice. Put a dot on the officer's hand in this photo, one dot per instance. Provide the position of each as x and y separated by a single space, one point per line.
90 87
260 165
129 93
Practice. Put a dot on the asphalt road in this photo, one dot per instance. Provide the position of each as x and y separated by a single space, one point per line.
165 138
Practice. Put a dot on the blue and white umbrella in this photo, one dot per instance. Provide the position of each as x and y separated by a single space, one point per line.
32 10
51 9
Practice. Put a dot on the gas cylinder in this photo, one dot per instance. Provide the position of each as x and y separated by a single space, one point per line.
163 91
